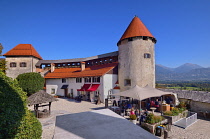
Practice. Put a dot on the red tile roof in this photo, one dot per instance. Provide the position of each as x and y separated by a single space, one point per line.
23 50
136 28
96 70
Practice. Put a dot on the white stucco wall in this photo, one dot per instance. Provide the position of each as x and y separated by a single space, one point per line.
108 83
57 84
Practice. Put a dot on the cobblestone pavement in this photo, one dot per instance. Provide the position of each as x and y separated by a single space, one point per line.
199 130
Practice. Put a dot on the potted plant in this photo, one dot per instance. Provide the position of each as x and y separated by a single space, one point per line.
133 118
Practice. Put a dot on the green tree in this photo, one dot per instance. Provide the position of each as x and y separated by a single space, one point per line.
17 122
30 82
3 66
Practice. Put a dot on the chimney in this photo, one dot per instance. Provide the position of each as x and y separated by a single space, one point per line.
52 68
82 66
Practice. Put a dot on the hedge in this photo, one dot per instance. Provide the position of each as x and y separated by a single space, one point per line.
16 120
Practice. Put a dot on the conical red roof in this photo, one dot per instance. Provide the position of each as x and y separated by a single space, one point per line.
23 50
136 28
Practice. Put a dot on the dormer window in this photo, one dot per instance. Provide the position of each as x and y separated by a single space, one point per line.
13 64
22 64
147 55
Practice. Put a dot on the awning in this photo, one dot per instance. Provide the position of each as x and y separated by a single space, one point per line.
84 87
64 86
94 87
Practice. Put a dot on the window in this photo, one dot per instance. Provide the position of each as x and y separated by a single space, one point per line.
145 38
147 55
52 90
130 39
96 79
78 80
63 80
88 80
22 64
13 64
127 82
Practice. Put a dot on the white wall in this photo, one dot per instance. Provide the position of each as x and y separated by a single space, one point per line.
57 84
108 83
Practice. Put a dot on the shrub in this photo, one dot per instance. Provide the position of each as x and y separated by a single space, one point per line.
133 117
182 105
16 120
175 112
30 82
168 113
152 119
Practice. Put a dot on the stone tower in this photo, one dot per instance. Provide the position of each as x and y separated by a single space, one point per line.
21 59
136 56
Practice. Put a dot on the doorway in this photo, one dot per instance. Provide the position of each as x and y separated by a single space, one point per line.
66 92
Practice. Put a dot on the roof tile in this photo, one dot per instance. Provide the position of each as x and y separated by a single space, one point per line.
96 70
136 28
23 50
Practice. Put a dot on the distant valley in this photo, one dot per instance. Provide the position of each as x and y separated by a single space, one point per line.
185 72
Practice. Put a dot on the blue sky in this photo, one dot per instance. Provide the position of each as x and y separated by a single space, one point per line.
68 29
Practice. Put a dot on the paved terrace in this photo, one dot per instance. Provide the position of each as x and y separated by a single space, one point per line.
199 130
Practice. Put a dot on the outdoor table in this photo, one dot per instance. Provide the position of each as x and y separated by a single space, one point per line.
153 109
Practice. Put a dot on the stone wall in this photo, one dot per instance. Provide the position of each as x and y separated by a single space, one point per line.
133 65
13 72
197 106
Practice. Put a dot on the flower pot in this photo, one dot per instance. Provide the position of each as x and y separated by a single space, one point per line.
133 121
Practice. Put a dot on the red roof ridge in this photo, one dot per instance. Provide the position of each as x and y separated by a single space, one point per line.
136 28
23 50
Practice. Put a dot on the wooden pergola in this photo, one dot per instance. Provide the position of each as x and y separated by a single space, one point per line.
39 98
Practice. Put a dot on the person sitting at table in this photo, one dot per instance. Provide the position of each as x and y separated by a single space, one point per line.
152 103
146 112
132 111
129 106
137 114
168 100
157 105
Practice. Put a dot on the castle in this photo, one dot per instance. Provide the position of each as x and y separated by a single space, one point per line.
133 64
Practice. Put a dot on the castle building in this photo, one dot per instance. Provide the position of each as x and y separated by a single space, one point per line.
97 76
21 59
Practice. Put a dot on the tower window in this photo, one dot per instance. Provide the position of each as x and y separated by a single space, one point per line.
13 64
22 64
127 82
147 55
130 39
145 38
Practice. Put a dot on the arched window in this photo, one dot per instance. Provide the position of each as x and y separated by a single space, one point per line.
22 64
13 64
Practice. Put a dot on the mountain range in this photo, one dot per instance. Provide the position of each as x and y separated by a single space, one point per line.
185 72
